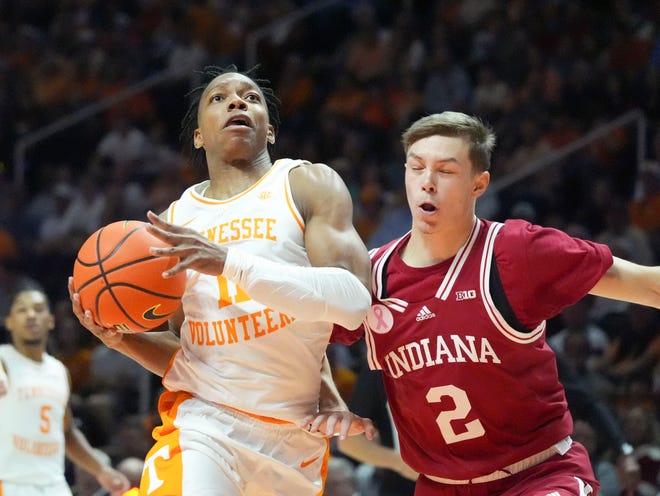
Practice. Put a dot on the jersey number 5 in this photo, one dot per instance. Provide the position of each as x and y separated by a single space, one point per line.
44 425
462 407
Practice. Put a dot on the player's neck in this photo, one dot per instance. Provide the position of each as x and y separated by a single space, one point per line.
429 248
32 350
228 179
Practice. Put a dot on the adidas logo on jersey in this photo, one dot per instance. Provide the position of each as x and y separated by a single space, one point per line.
424 314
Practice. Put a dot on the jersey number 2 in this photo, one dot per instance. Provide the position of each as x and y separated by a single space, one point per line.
462 407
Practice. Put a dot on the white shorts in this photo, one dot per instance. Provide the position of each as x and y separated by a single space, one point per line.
203 448
54 489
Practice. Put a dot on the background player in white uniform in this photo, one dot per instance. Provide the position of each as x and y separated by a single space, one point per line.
273 260
457 326
36 426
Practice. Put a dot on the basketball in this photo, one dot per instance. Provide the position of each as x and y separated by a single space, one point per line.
121 282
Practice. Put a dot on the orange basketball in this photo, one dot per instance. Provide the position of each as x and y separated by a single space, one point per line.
121 283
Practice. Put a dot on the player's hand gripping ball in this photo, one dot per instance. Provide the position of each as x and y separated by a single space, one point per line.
121 282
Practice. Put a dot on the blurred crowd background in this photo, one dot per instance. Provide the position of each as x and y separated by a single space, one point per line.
92 93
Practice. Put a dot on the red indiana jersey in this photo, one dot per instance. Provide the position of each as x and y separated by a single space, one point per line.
471 382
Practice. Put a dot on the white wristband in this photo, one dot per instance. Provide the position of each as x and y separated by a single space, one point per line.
328 294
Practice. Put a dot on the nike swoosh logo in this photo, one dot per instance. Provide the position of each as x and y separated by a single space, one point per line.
306 463
152 315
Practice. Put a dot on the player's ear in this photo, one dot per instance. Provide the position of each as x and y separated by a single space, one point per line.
270 135
481 182
198 141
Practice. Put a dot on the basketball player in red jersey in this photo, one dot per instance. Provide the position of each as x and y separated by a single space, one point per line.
272 261
457 326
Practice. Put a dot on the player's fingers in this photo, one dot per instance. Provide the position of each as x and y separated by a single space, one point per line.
166 235
305 422
344 427
317 423
330 425
369 429
162 226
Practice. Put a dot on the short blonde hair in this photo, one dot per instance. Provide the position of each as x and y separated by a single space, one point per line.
479 135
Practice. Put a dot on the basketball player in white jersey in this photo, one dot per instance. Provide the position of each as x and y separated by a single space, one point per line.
36 425
457 326
273 260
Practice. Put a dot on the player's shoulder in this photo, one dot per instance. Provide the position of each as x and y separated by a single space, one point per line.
520 232
4 349
318 184
53 361
318 173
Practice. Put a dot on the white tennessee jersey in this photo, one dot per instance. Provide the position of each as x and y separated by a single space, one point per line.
31 431
235 350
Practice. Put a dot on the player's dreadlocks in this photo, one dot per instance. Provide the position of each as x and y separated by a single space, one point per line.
189 121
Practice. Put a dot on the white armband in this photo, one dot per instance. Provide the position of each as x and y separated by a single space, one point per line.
328 294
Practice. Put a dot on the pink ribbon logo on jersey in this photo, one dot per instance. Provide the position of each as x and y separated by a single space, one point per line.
380 319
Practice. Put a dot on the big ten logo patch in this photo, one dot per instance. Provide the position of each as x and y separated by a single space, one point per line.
470 294
380 319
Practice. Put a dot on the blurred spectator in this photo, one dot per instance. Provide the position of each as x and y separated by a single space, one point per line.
368 49
447 85
644 207
131 436
340 479
605 471
123 144
394 220
635 353
127 384
72 346
577 320
131 467
296 88
343 373
13 276
641 427
619 231
491 94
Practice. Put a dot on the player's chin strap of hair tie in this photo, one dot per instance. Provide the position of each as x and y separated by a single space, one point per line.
328 294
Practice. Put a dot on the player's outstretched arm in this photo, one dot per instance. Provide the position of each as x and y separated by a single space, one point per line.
333 417
374 453
627 281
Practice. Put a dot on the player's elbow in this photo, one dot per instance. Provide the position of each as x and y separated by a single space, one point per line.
357 307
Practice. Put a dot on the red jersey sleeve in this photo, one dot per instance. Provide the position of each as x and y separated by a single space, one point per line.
344 336
544 270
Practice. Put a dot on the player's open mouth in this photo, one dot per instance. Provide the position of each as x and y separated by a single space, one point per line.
239 120
427 207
